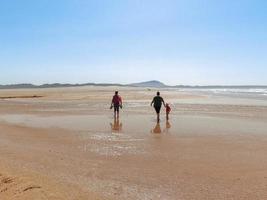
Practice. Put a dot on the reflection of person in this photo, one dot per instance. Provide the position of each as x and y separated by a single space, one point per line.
157 102
168 126
168 110
157 128
116 103
116 126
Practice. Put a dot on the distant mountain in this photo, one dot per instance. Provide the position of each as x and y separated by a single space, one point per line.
53 85
15 86
155 84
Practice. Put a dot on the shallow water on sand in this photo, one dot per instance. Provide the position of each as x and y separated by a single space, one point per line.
137 158
213 147
141 125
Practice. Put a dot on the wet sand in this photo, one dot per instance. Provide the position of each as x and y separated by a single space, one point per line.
66 145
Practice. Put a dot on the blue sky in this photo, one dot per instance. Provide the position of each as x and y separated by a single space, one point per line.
175 41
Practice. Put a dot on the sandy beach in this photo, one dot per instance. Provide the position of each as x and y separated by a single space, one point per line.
63 143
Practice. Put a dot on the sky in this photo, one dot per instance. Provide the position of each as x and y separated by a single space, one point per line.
189 42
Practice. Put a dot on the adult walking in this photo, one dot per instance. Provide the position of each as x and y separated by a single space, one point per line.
157 102
116 103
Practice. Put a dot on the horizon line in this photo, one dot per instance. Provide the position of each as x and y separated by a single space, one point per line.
129 84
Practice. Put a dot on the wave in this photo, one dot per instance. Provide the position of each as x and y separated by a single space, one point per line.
241 91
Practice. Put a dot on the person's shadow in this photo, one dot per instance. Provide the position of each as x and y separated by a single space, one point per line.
116 126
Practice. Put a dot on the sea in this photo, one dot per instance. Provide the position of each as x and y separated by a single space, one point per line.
248 92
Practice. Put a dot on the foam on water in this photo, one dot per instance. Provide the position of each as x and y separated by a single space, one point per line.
234 91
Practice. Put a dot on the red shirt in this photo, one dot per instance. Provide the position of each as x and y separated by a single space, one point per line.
116 100
168 109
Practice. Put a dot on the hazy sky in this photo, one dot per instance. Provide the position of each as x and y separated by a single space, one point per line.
174 41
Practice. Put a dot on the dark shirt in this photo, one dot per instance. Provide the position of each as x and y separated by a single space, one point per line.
158 101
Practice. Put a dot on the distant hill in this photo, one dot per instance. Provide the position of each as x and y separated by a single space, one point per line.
152 84
15 86
54 85
155 84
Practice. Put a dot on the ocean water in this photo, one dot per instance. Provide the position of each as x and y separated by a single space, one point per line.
243 92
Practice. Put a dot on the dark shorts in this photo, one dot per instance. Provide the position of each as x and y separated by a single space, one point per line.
116 108
157 109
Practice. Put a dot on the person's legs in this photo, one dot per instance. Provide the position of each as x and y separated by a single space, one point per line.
116 111
158 112
158 117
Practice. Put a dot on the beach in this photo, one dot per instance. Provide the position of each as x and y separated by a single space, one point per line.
63 143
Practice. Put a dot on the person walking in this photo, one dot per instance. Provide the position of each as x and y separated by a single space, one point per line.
116 103
157 103
168 110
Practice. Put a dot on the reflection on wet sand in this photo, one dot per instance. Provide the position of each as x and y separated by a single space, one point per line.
157 128
167 127
116 126
68 143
